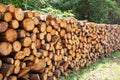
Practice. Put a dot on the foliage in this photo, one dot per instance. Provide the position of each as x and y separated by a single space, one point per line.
94 10
41 5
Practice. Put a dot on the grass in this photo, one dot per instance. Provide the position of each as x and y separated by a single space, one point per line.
105 69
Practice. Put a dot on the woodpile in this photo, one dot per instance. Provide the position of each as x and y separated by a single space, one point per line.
42 47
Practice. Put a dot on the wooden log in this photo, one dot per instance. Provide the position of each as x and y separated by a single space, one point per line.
7 16
10 8
22 65
6 69
17 62
23 72
52 78
18 14
62 32
29 58
5 48
28 24
16 46
44 52
2 7
42 27
14 24
11 35
12 78
35 13
38 43
21 33
26 41
35 20
48 37
16 69
34 77
19 55
28 14
27 51
3 26
45 46
49 28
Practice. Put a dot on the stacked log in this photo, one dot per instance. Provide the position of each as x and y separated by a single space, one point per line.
41 47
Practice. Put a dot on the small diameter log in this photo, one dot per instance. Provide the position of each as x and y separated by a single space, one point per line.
42 27
45 46
2 8
49 28
14 24
16 69
35 20
28 24
20 55
8 60
5 48
28 14
3 26
23 72
18 14
10 8
26 51
62 32
11 35
21 33
40 64
6 69
38 43
26 42
48 37
7 16
16 46
44 52
34 77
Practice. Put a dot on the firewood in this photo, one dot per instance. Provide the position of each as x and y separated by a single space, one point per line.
5 48
18 14
10 8
28 24
14 24
6 69
48 37
34 77
19 55
16 69
26 42
21 33
2 8
42 27
3 26
16 46
28 14
23 72
7 16
11 35
27 51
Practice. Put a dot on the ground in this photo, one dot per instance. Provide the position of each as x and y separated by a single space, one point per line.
105 69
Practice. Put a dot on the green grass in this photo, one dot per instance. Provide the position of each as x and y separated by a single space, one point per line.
102 70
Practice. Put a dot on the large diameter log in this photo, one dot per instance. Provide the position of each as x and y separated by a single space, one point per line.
28 24
18 14
6 69
3 26
5 48
2 8
11 35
